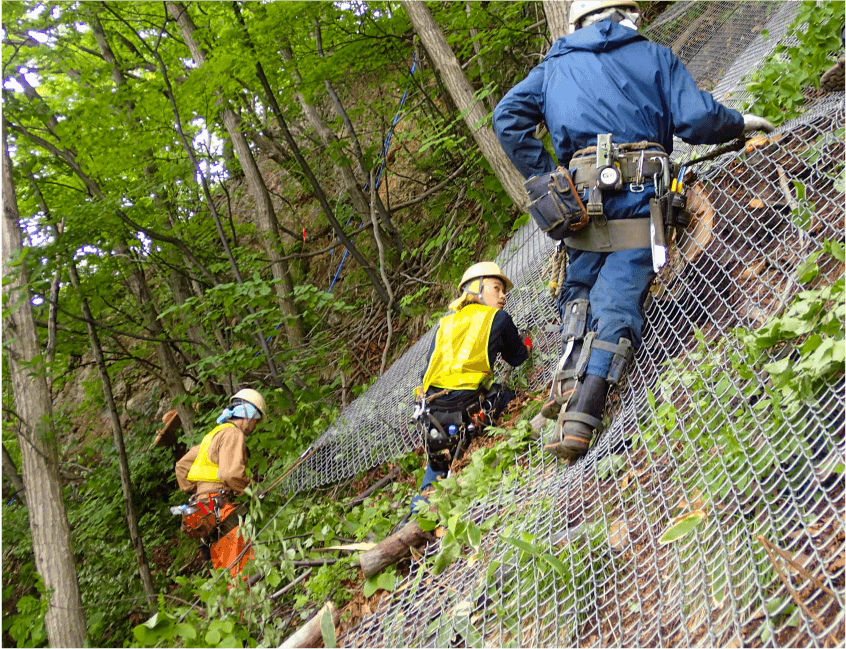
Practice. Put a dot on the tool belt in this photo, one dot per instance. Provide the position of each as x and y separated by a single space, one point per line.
208 511
608 168
627 159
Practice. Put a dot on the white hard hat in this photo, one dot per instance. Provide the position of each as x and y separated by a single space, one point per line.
484 269
250 396
579 10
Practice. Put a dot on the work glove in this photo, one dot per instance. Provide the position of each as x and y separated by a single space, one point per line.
755 123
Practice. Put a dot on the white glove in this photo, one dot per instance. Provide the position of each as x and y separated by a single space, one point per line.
755 123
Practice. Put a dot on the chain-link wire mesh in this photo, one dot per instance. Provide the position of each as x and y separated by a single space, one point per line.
710 512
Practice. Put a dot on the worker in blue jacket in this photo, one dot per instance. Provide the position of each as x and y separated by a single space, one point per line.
612 102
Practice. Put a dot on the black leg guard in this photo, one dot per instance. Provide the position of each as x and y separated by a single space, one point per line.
573 328
582 418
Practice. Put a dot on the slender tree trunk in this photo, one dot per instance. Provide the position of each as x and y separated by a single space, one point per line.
492 99
345 171
38 440
12 475
258 189
137 281
461 92
189 151
557 14
178 283
126 484
117 433
170 369
315 185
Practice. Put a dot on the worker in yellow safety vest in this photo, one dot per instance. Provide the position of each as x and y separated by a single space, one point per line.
214 472
458 396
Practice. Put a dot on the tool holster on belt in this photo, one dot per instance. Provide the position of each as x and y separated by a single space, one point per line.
555 205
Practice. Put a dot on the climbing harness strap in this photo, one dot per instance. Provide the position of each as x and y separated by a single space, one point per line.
602 235
607 168
623 355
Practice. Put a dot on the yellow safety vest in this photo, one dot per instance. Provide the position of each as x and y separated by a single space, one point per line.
460 358
203 469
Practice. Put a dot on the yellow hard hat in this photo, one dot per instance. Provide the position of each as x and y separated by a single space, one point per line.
250 396
579 10
484 269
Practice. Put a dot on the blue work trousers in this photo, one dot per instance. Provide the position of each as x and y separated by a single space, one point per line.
615 283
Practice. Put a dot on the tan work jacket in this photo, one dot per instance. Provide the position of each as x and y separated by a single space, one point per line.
229 452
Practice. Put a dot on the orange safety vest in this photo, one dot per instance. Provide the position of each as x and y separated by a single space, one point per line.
460 358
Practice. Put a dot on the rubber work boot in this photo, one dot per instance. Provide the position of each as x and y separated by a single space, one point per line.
581 419
562 389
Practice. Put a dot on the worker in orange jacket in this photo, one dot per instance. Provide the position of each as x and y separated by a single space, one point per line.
214 472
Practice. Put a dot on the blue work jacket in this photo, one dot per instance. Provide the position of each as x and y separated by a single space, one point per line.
607 78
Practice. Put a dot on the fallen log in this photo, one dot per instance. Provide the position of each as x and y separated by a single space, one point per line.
393 548
309 635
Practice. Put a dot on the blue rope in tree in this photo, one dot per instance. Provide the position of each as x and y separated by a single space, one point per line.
383 155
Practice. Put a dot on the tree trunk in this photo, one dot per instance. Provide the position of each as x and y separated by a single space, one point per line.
309 634
461 92
38 440
557 14
393 548
12 475
493 98
315 185
345 171
258 189
262 343
177 281
170 369
117 433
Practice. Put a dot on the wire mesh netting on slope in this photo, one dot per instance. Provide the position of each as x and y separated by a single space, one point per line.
710 512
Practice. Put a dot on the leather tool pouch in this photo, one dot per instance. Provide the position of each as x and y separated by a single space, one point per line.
555 205
198 525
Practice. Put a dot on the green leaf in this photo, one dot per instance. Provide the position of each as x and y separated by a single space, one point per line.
522 545
682 527
327 629
371 585
157 628
450 551
556 563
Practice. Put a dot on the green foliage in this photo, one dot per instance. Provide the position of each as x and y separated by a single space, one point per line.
797 62
771 375
488 469
27 627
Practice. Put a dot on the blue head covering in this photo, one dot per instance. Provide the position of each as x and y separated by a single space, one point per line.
241 410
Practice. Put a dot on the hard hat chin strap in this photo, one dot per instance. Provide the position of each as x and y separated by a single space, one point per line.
479 282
